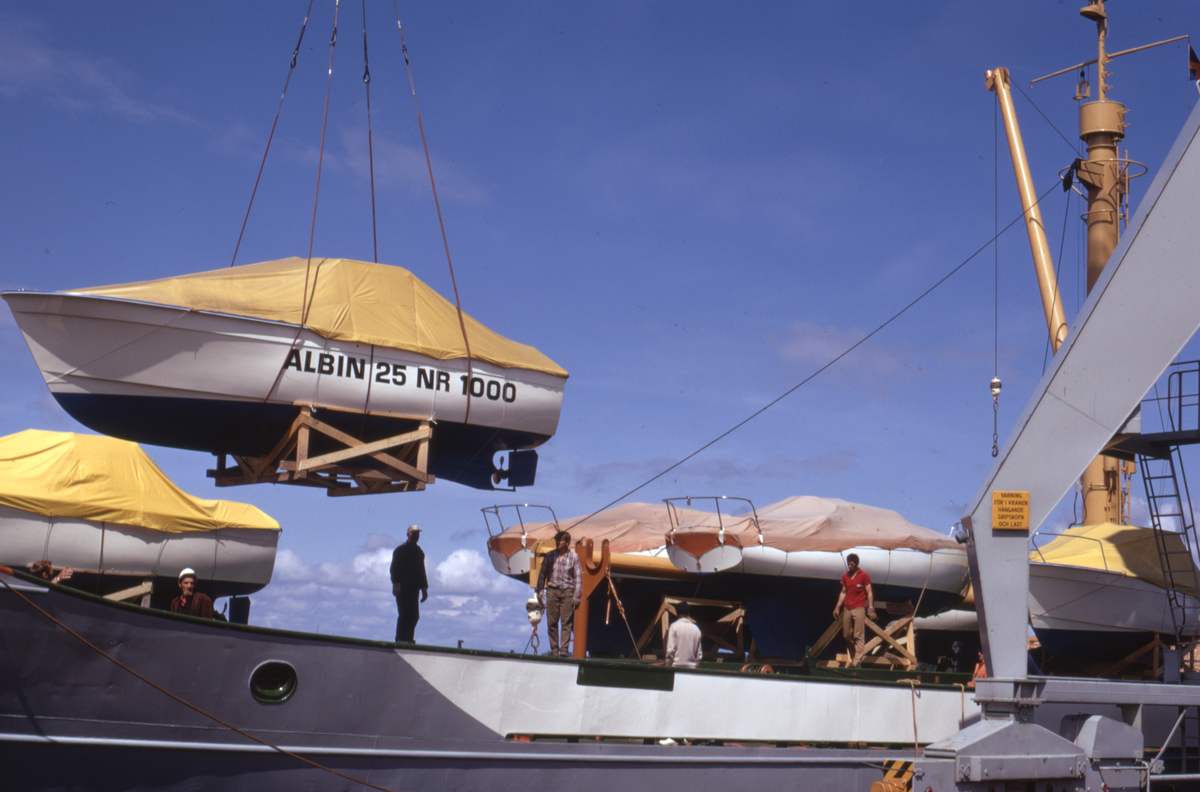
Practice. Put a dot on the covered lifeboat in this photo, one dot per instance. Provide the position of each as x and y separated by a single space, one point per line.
225 361
103 508
807 538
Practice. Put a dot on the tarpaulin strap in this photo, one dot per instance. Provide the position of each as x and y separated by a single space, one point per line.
271 137
184 702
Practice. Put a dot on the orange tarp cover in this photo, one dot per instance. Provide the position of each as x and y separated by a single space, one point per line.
802 522
347 300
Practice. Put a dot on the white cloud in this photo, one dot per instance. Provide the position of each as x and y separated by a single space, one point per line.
468 599
467 572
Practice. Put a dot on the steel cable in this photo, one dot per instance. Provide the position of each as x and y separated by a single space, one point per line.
1019 218
292 68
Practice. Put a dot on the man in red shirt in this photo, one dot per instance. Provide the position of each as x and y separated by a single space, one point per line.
859 600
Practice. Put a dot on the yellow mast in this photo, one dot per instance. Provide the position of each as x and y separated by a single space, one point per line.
1102 127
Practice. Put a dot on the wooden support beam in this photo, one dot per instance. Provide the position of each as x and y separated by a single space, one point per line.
825 639
290 462
887 636
130 593
1115 668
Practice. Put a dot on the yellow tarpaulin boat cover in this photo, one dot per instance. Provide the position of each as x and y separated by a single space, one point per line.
348 301
1126 549
59 474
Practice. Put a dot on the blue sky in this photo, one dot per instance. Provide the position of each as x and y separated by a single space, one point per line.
690 207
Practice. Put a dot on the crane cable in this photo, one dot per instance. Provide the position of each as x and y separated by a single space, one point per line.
1019 218
278 110
441 223
312 231
370 147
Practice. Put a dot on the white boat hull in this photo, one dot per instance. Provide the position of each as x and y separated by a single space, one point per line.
226 560
942 571
193 379
1096 614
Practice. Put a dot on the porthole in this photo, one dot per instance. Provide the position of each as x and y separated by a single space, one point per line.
273 682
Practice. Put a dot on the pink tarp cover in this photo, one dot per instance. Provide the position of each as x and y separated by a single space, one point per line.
802 522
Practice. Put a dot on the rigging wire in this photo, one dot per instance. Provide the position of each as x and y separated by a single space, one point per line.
996 278
1048 121
1019 218
1057 272
441 223
370 147
307 301
292 68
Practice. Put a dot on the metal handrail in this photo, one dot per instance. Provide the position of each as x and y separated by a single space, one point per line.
1103 556
495 511
673 515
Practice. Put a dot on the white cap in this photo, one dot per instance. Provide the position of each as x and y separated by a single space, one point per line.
187 571
412 528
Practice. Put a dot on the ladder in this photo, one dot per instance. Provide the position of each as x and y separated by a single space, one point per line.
1174 533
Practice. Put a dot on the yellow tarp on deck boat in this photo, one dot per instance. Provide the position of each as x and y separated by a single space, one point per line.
348 300
88 477
1126 549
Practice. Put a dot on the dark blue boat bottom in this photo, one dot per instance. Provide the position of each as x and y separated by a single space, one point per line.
785 616
458 452
1092 646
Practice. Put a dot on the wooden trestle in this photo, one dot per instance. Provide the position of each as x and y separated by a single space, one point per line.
401 462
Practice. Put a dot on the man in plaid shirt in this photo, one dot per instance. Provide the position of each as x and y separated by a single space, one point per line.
562 581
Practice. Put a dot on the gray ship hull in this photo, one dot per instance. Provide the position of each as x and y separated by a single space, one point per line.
411 718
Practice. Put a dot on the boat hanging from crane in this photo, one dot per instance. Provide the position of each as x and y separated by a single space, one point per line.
344 374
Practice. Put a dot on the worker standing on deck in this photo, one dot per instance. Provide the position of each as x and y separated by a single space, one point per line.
561 578
859 601
409 581
683 639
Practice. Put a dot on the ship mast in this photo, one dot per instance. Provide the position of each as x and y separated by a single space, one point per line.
1101 128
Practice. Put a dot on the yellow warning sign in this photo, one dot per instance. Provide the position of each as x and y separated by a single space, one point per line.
1010 510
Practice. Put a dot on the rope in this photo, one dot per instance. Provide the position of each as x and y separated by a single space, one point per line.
441 223
612 589
818 372
533 641
370 147
271 137
912 685
184 702
962 716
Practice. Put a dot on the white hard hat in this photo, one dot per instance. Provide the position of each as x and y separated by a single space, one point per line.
186 571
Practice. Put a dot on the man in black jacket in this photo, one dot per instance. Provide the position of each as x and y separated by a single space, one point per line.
408 579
